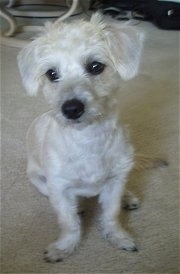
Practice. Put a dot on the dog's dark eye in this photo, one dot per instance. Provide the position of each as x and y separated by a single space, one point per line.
95 68
52 75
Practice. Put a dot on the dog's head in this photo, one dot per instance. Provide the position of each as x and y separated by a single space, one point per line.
78 65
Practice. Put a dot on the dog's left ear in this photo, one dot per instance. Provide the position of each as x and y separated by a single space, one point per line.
124 44
29 68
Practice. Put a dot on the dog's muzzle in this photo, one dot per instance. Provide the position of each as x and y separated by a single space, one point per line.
73 109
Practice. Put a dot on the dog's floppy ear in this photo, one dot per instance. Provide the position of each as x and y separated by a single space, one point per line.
29 68
124 45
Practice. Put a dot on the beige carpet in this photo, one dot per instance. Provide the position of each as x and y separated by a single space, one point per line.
150 107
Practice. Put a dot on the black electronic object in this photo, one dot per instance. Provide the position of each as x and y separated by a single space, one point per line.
164 14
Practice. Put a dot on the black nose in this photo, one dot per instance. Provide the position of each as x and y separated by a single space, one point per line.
73 109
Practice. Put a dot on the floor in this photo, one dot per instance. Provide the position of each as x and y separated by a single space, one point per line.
149 106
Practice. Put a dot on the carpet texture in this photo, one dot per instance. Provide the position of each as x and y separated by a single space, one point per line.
149 106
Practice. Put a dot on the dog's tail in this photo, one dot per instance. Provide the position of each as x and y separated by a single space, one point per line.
145 162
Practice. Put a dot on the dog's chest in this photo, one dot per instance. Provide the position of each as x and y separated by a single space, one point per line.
87 156
88 161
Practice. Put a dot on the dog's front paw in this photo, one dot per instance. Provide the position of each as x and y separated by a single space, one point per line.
53 253
127 244
122 241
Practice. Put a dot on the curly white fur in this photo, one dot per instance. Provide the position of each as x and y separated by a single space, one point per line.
91 155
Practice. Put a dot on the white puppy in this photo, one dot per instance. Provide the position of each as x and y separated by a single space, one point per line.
78 149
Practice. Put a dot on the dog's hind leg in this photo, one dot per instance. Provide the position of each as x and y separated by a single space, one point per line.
39 181
36 175
130 201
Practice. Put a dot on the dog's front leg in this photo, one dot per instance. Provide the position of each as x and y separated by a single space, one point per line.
65 205
110 199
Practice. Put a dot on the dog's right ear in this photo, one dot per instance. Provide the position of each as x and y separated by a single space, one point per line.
29 68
